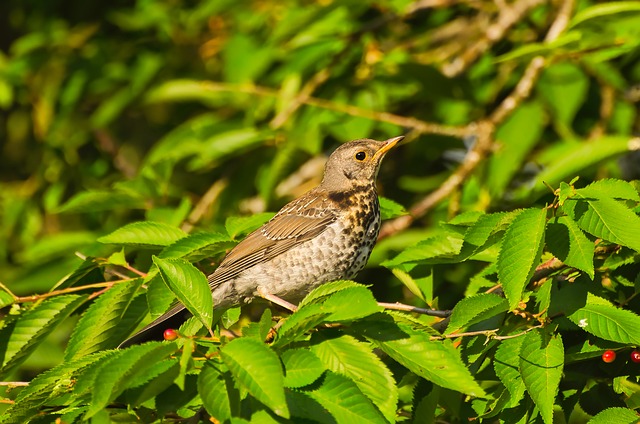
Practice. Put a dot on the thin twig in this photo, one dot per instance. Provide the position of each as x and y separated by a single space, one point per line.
212 194
408 308
490 334
509 16
416 124
36 297
12 384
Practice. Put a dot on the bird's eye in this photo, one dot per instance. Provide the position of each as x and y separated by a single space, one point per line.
361 156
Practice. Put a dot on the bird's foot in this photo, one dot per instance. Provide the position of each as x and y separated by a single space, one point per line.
263 293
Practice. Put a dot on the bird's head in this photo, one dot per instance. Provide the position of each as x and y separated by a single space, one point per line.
356 163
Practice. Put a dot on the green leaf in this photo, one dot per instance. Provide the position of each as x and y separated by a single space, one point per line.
507 367
101 326
605 218
390 209
610 188
298 323
573 162
475 309
541 367
95 201
599 11
443 248
521 252
189 285
215 388
435 360
20 337
239 225
344 400
302 367
320 293
563 85
514 145
350 304
197 246
158 378
567 242
603 320
145 234
228 143
351 358
117 374
48 386
615 415
257 368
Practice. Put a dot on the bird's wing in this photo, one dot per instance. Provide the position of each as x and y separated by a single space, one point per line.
296 223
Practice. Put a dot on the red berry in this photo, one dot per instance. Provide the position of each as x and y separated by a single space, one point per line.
635 356
609 356
170 334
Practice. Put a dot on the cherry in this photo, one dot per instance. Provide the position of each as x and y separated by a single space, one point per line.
609 356
635 356
170 334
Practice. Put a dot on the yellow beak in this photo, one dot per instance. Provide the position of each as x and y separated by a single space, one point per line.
388 145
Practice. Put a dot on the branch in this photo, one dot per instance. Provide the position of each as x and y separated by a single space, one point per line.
485 130
402 121
490 334
36 297
408 308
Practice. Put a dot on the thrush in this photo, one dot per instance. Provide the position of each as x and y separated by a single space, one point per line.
325 235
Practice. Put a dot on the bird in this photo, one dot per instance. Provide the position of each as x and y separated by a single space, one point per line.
326 234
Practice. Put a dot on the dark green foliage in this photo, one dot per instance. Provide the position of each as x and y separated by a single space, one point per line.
140 141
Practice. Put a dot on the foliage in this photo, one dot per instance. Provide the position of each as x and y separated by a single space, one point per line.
150 137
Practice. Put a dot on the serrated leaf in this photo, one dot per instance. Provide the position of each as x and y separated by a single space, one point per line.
257 368
474 309
48 385
298 323
603 320
321 292
541 367
95 201
507 367
116 374
302 367
144 234
350 303
443 248
567 242
390 209
520 253
215 387
351 358
197 246
605 218
189 285
615 415
239 225
100 326
435 360
610 188
159 377
303 406
20 337
344 400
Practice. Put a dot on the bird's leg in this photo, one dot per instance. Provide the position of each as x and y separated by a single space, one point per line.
408 308
275 299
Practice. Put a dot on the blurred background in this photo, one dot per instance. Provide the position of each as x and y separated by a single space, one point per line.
189 112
